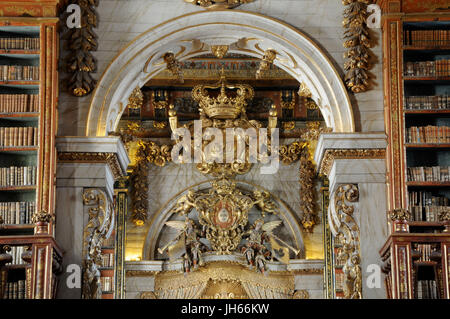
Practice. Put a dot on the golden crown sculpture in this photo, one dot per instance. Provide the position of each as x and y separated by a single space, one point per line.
224 106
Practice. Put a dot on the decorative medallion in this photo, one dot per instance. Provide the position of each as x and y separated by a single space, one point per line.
223 223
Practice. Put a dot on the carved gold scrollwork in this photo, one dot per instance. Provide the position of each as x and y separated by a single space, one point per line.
147 153
98 228
308 192
136 99
267 60
289 154
357 41
80 41
346 231
173 66
218 4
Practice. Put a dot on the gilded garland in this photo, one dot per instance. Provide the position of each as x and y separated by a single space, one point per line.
357 41
147 153
80 62
218 4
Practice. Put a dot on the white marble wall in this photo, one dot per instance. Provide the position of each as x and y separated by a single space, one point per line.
121 21
370 213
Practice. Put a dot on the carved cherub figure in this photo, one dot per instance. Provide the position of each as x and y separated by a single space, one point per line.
186 244
254 250
185 203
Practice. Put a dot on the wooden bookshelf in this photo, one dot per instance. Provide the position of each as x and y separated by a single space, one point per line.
416 49
28 98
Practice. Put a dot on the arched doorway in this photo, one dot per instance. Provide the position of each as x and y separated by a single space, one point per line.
192 35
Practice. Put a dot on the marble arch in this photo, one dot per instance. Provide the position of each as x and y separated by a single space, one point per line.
191 35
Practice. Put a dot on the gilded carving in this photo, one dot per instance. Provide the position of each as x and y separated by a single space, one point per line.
400 215
223 217
218 4
332 154
219 50
348 234
136 99
308 194
357 41
301 294
173 66
147 153
207 280
304 91
80 62
93 157
42 217
267 60
98 228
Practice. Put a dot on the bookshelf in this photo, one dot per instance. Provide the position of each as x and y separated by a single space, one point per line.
29 256
416 51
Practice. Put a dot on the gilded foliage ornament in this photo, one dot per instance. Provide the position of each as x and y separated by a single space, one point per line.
357 43
223 217
345 197
218 4
147 153
80 62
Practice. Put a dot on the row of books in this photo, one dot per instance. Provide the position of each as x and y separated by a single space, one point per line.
107 283
15 213
19 103
108 260
19 43
426 199
18 176
436 102
427 289
427 213
19 73
109 242
425 251
426 37
428 174
427 68
339 259
16 253
15 290
339 280
18 136
428 134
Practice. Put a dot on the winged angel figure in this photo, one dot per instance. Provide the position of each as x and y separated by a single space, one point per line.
255 251
186 244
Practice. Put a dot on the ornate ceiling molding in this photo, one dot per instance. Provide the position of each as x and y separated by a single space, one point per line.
218 4
91 157
333 154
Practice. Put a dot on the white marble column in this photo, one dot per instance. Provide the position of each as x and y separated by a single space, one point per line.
83 163
359 159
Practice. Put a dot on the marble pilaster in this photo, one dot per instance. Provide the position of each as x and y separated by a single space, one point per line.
358 158
83 163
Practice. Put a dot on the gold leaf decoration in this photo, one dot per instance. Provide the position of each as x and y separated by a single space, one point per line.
218 4
80 63
147 153
357 41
